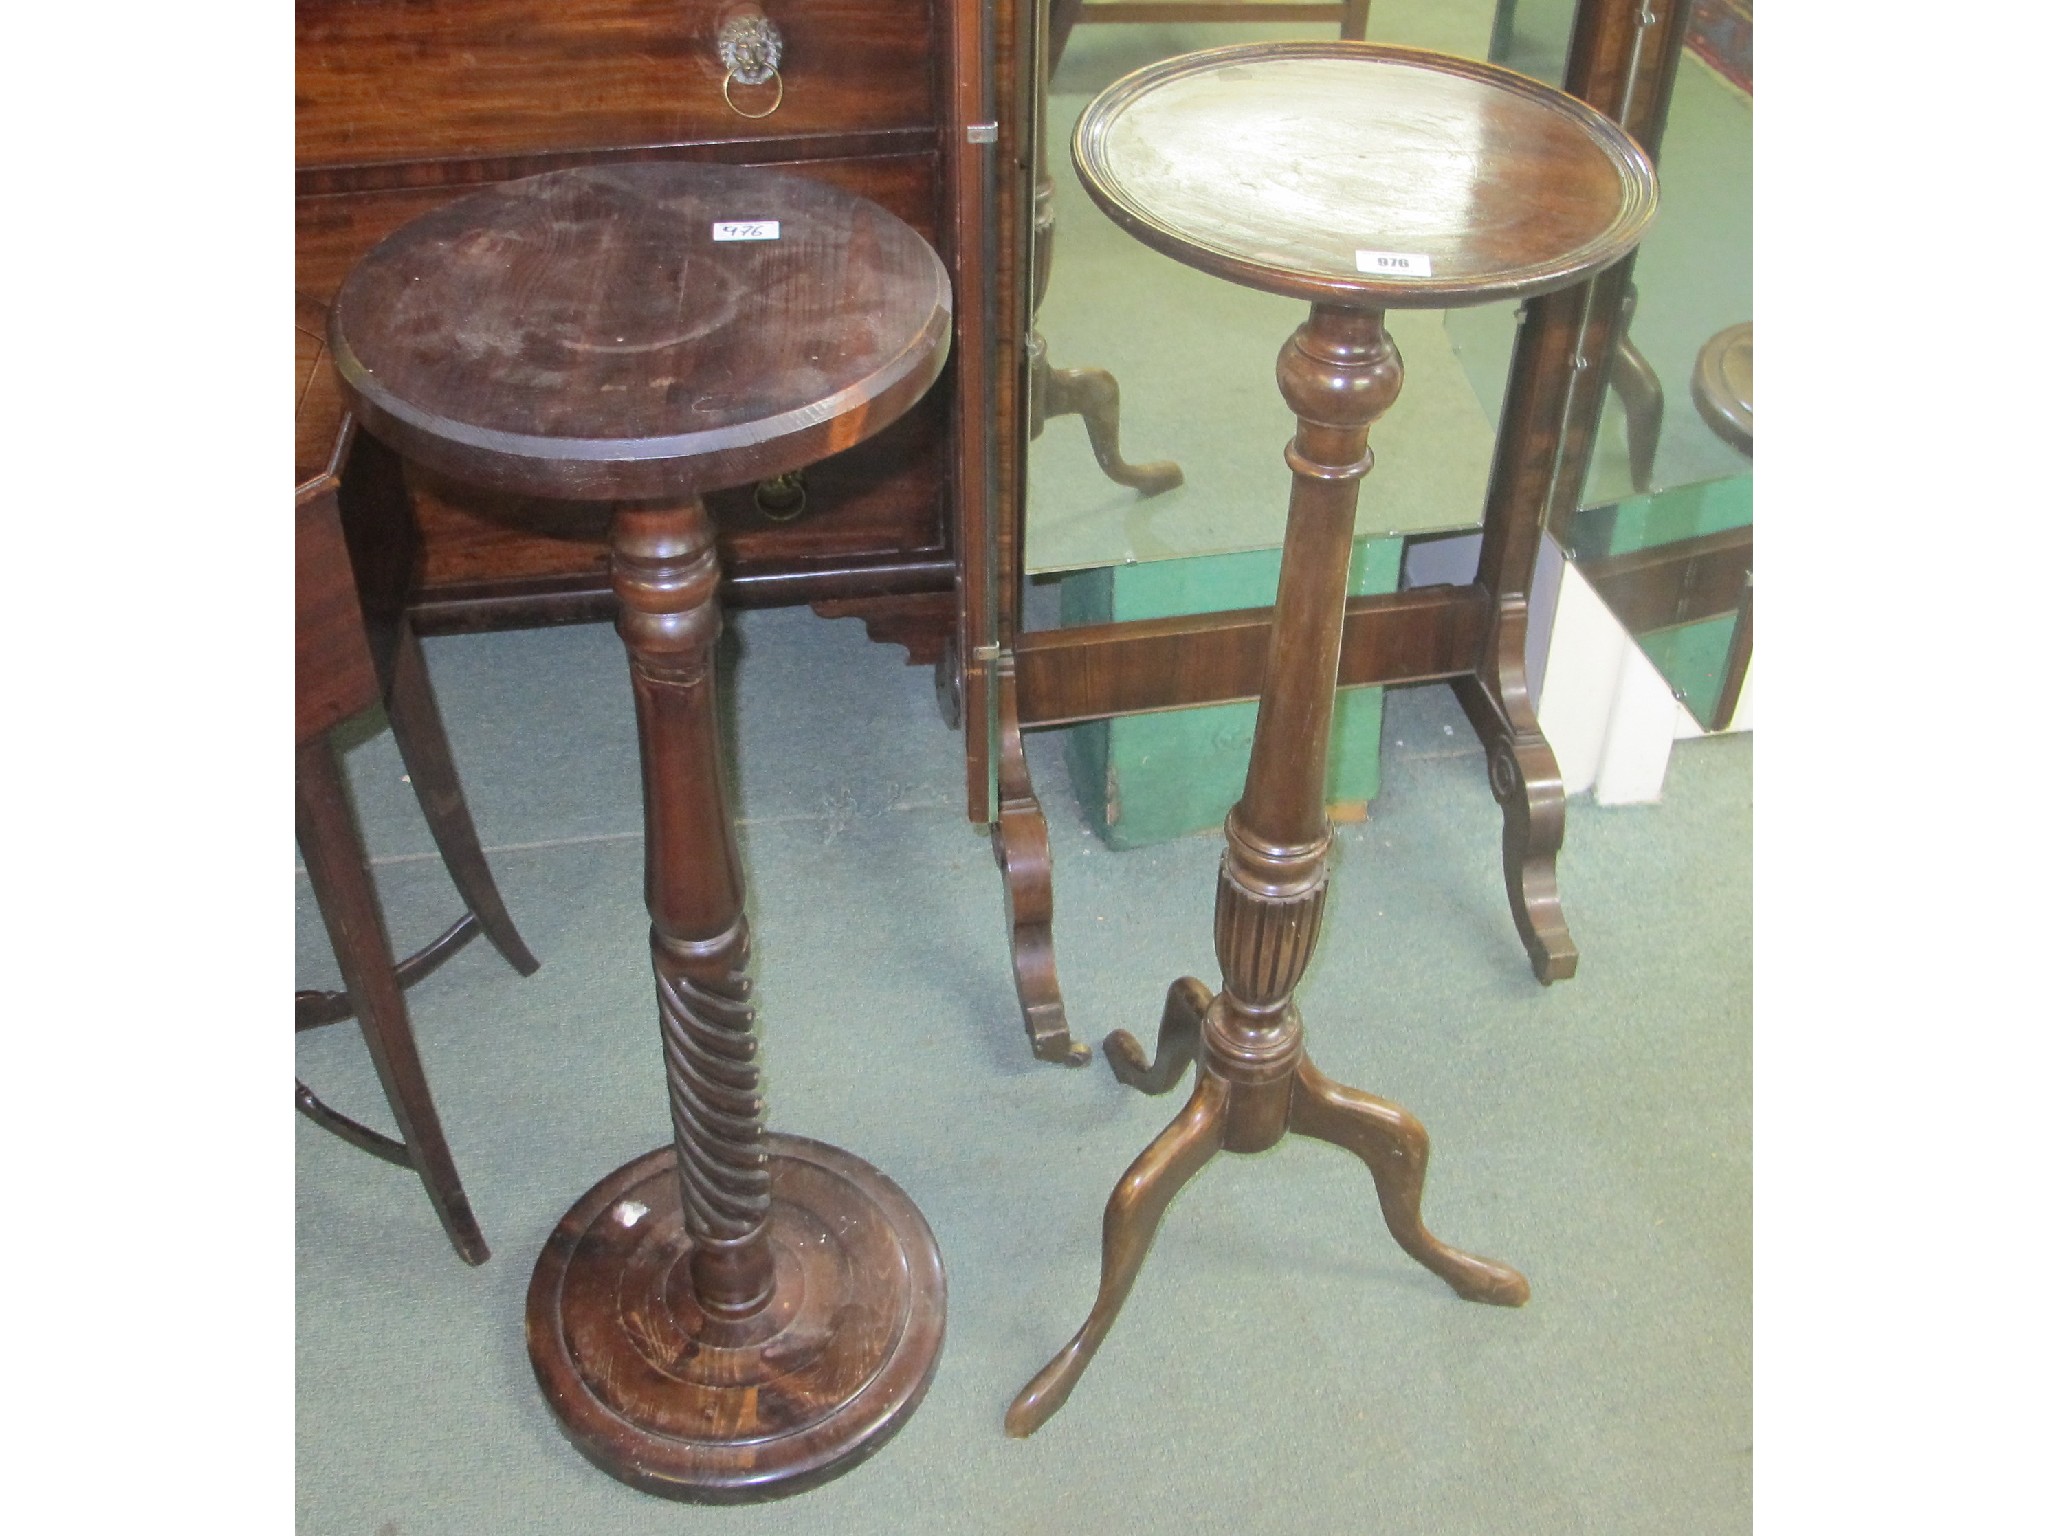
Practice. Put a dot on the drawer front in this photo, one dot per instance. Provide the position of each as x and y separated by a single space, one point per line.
383 80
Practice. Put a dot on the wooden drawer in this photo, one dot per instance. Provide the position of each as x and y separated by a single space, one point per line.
386 80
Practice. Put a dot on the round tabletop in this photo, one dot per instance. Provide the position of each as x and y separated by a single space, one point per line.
640 331
1724 385
1364 174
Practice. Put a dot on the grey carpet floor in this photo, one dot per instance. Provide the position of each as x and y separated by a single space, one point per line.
1281 1364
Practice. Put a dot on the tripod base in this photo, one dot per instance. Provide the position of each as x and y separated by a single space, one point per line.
1224 1113
686 1406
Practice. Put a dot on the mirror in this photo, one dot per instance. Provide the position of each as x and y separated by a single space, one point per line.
1662 529
1155 479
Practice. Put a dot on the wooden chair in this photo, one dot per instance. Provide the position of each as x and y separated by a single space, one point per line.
356 649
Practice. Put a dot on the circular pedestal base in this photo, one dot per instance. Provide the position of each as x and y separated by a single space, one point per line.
682 1405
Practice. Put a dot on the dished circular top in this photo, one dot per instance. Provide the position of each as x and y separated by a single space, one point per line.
1296 167
587 333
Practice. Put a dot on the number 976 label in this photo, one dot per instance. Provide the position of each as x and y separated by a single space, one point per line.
747 229
1393 263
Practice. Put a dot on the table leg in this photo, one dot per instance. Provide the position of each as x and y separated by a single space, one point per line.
1254 1083
739 1314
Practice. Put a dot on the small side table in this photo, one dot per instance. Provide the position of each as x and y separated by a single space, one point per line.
738 1314
1359 178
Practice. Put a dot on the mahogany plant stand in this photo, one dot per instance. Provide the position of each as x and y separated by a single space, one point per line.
1477 184
737 1314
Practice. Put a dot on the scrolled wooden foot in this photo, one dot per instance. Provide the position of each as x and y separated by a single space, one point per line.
1523 774
1023 850
1180 1031
1092 394
1128 1224
1526 783
1392 1143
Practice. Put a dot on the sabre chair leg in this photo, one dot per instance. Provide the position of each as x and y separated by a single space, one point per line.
1392 1143
1128 1224
423 744
1642 398
1180 1032
333 850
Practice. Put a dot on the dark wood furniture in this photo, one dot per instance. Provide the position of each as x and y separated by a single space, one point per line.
356 649
1621 61
404 104
1724 385
927 106
1364 179
1349 15
1709 575
737 1314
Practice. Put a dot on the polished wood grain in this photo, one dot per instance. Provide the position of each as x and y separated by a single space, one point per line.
377 81
404 104
496 339
735 1315
1622 63
1506 187
1136 666
1339 373
1679 582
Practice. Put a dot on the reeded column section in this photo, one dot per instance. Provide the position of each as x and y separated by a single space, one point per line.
665 572
1339 373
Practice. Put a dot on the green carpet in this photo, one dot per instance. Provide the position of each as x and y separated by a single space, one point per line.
1281 1364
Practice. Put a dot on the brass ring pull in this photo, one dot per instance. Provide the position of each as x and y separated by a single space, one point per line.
750 48
783 498
776 77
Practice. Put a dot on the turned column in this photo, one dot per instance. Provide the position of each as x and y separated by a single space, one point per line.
665 572
738 1313
1338 373
1364 179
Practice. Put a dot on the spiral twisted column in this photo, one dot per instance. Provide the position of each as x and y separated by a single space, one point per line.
665 572
1339 372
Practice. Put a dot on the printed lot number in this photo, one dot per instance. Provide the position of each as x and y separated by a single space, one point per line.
1394 263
